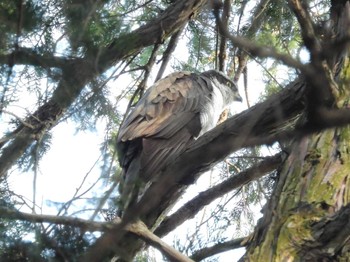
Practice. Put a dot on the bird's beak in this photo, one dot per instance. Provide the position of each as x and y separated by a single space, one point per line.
238 98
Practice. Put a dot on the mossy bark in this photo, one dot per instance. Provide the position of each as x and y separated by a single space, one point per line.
313 187
307 217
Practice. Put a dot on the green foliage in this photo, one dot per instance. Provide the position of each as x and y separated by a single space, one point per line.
201 45
69 243
17 19
23 241
95 104
64 243
13 247
32 156
87 28
281 29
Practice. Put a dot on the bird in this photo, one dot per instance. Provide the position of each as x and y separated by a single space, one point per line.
173 112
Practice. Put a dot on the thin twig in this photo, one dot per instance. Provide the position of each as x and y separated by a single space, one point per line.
168 51
26 124
260 51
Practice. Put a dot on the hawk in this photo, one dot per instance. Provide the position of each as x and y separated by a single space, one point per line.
173 112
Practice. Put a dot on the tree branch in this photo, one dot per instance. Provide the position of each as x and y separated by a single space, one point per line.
310 39
168 51
255 24
156 31
27 56
218 248
141 230
192 207
223 41
87 225
18 118
137 228
260 51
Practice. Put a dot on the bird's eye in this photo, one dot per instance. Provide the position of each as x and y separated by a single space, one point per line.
228 83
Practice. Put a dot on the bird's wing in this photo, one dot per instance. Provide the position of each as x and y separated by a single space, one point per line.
167 107
159 128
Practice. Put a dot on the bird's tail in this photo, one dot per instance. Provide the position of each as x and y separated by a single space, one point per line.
128 187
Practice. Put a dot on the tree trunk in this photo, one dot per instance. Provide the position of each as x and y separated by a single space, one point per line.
307 217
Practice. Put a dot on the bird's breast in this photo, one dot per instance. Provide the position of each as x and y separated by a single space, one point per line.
211 111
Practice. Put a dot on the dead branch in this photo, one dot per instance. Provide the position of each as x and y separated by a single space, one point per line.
260 51
168 51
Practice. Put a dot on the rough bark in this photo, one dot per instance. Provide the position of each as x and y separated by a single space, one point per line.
312 187
310 204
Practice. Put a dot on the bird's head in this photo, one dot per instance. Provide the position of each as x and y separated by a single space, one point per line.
225 84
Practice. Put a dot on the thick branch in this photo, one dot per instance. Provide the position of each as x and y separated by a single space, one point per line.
141 230
307 28
156 31
26 56
192 207
328 118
